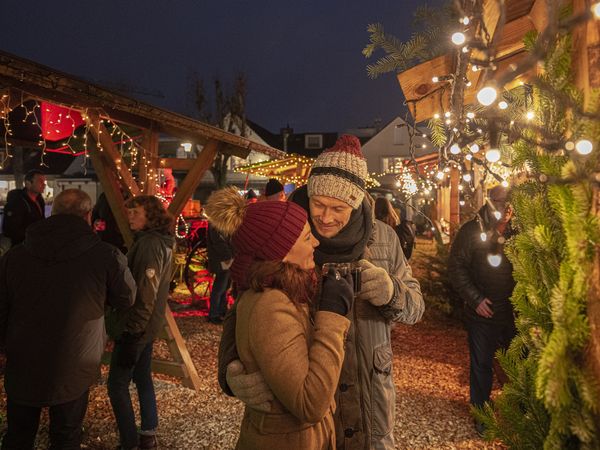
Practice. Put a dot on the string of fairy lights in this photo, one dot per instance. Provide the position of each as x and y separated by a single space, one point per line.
130 148
470 134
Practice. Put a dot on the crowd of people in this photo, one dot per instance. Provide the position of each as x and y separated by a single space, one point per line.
319 278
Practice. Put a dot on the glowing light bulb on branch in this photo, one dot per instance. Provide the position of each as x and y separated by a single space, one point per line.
492 155
467 177
504 183
483 237
487 96
471 115
458 38
455 149
494 260
440 176
584 147
502 105
468 157
474 148
530 115
465 20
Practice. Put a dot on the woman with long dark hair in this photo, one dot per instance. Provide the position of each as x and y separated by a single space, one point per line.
296 343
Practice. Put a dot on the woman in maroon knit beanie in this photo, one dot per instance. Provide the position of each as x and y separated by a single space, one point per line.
297 345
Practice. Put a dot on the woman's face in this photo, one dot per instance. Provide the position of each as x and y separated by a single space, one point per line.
137 218
301 253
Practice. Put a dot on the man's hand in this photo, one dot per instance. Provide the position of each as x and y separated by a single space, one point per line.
376 285
250 389
484 309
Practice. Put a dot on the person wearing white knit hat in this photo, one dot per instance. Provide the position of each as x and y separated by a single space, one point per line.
341 216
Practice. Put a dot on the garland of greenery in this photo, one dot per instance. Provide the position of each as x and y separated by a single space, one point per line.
551 398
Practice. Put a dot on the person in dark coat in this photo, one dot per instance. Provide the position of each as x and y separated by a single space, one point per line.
24 207
385 212
220 257
106 225
150 261
53 291
482 275
274 190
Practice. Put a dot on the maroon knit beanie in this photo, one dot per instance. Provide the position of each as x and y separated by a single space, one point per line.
268 232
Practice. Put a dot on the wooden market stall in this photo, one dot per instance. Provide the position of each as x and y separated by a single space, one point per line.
124 161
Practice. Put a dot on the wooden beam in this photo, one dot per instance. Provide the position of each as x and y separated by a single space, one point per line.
180 353
113 157
110 185
194 176
146 164
177 163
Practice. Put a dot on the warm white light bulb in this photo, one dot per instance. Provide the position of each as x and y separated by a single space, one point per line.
474 68
530 115
494 260
596 10
455 149
497 215
458 38
471 115
447 114
435 79
504 183
436 116
465 20
474 148
467 177
487 96
502 105
483 237
584 147
465 49
440 175
468 157
461 203
492 155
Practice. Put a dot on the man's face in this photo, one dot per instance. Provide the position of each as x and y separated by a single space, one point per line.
137 218
503 207
37 185
329 215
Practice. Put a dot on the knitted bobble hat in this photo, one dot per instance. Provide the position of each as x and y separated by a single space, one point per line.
263 231
340 172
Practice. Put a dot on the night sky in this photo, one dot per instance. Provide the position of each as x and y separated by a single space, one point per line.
302 59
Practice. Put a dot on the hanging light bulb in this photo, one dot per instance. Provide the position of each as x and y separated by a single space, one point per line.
494 260
474 148
468 157
530 115
467 177
497 215
465 20
436 116
440 176
483 237
458 38
492 155
504 183
569 145
471 115
465 49
455 149
461 203
502 105
584 147
474 68
487 96
435 79
596 10
447 114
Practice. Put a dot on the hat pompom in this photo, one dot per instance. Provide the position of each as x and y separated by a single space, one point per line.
225 209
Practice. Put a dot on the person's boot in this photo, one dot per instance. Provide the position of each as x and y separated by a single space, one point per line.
148 442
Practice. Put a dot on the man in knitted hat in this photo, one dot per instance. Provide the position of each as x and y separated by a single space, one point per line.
274 190
341 216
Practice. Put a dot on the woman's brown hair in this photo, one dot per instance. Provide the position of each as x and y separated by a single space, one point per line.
385 212
298 284
157 217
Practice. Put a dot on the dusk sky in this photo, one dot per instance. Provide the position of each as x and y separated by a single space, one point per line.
302 59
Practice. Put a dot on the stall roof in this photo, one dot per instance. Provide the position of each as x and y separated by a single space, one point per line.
21 79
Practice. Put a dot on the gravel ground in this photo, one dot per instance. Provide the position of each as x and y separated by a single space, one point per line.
431 376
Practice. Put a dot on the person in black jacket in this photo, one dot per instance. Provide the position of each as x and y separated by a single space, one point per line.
384 211
150 260
220 257
24 207
53 291
482 275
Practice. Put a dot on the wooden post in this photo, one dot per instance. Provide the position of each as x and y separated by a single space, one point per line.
454 200
194 176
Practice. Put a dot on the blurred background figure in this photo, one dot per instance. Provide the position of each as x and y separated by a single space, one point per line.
404 228
220 257
105 225
274 191
251 196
